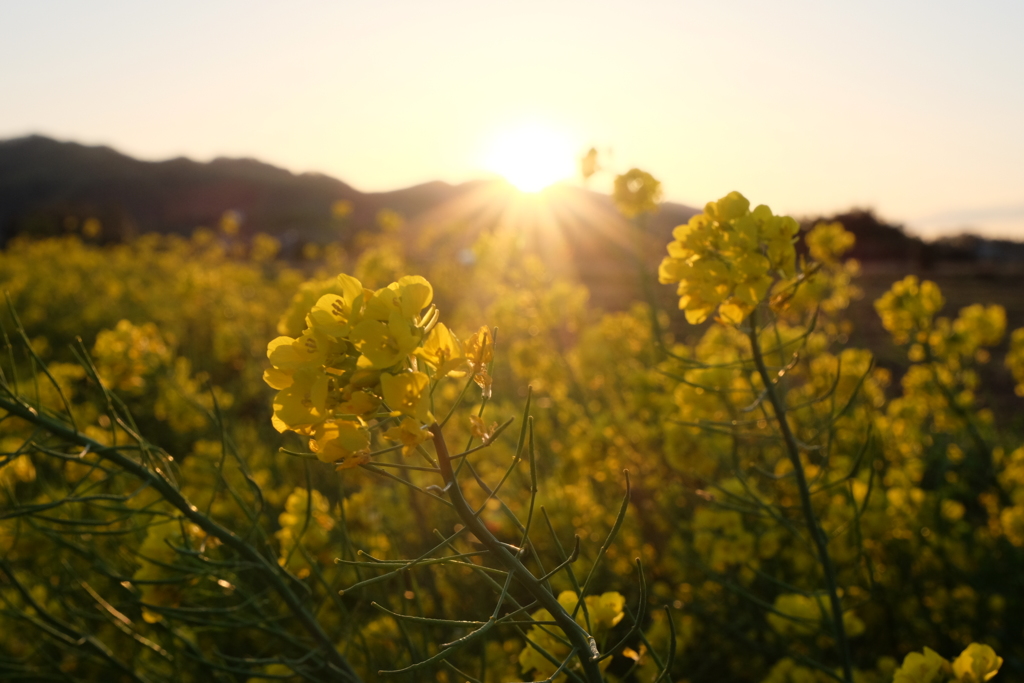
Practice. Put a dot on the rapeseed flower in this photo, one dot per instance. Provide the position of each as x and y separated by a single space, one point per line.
976 664
636 192
922 667
363 351
727 258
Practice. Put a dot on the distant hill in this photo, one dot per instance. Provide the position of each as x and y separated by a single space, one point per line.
48 187
43 182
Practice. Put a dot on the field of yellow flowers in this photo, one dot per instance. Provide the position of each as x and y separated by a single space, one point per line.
220 465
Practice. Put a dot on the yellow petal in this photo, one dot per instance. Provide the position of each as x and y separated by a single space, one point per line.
416 294
340 440
407 393
277 379
732 312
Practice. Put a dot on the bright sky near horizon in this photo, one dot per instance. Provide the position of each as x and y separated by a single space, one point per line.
914 108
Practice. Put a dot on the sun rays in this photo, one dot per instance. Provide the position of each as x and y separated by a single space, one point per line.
531 157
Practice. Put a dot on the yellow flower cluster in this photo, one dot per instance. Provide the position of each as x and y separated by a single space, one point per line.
137 361
827 242
720 538
365 355
727 258
636 192
825 281
939 398
127 354
976 664
908 307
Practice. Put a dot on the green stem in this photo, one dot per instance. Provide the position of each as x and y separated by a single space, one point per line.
586 649
817 533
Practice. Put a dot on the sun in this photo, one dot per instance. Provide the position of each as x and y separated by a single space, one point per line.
532 157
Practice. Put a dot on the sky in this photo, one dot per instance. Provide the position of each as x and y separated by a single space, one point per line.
912 108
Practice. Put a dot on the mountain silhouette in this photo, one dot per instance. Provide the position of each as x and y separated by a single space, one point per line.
48 187
43 182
